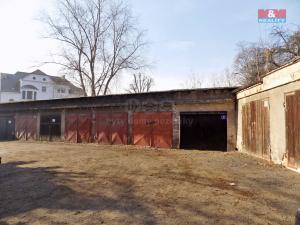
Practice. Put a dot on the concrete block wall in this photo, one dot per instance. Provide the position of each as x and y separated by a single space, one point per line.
218 99
228 107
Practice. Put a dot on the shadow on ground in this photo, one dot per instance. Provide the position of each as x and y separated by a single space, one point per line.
75 184
24 189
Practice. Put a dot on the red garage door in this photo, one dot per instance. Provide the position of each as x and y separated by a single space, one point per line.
112 128
71 127
78 127
84 128
119 128
103 128
26 127
152 129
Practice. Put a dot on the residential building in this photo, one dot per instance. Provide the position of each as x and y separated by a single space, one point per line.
33 86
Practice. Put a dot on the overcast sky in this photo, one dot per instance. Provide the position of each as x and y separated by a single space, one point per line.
186 36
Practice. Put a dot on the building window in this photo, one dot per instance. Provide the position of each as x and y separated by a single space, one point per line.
61 90
44 89
23 94
70 92
29 95
33 78
44 79
11 100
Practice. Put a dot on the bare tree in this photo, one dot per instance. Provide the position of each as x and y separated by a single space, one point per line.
192 81
286 45
250 62
225 79
99 40
256 59
141 83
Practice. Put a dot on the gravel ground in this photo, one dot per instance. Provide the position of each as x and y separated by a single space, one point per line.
57 183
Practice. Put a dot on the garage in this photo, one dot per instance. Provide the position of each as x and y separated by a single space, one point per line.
144 119
7 128
112 128
256 128
152 129
203 130
26 126
50 126
293 129
78 127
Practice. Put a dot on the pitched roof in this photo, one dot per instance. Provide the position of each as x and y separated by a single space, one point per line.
60 80
39 72
11 82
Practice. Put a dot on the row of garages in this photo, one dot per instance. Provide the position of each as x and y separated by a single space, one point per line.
188 119
148 129
87 126
153 129
269 117
262 120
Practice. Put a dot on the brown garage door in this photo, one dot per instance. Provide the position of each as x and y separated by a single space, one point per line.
152 129
256 128
78 127
293 129
112 128
26 126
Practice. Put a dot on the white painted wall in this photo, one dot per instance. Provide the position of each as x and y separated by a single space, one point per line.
57 94
39 82
7 96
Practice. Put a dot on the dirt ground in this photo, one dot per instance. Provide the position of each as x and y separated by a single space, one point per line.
56 183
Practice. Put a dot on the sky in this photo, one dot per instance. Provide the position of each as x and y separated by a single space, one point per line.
186 36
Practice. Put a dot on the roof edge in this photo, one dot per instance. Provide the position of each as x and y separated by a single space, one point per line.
230 89
292 62
247 87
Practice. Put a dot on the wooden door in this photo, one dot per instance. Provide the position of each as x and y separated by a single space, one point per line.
293 129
